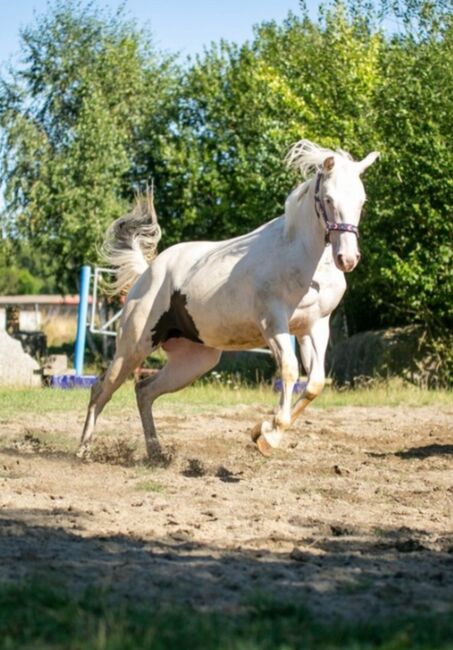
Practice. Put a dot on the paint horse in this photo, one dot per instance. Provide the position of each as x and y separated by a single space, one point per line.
197 299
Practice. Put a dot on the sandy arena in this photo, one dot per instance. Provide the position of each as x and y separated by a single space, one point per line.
353 518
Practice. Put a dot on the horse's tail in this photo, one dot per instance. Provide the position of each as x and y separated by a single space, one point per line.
131 242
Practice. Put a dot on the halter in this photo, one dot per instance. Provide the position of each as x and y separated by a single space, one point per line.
321 212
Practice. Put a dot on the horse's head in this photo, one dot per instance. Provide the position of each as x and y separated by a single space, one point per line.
338 196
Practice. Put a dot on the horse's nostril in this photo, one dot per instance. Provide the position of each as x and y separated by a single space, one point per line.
346 263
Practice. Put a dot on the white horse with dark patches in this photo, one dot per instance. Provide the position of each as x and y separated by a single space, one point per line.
197 299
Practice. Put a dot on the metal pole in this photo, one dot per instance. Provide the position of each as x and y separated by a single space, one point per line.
79 353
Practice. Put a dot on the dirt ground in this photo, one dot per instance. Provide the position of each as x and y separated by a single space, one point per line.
353 518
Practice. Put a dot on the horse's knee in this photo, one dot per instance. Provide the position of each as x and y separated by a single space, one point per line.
290 370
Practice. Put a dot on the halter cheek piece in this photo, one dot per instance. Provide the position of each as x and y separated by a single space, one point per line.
321 212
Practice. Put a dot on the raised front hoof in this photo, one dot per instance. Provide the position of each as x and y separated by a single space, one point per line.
260 441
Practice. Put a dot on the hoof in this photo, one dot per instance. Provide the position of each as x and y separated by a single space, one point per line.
157 457
256 432
257 435
263 446
82 451
260 441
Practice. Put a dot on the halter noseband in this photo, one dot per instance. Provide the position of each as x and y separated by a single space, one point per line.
321 212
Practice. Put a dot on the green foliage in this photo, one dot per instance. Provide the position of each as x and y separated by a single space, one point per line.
71 115
407 271
241 108
23 270
94 110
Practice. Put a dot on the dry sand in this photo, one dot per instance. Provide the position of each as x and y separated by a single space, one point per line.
353 518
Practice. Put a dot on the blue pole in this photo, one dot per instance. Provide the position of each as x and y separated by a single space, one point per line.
79 353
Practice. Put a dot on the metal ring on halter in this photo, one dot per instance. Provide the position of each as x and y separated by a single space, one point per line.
321 211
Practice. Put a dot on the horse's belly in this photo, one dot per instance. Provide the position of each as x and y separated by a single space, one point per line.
232 335
226 318
210 327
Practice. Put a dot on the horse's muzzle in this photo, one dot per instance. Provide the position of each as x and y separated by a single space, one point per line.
347 263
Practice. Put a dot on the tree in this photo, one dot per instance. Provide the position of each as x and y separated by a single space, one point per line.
220 170
407 272
72 115
23 270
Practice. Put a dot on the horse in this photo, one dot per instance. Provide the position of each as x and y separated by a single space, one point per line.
197 299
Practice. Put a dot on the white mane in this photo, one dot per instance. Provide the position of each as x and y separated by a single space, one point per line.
307 157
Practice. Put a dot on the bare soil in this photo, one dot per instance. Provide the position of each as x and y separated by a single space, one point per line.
353 518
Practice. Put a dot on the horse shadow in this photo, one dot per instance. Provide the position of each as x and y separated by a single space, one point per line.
426 451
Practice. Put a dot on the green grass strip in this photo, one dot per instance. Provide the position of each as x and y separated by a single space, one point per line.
40 616
213 396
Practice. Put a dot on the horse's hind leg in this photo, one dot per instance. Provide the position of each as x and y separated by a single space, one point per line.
118 371
186 362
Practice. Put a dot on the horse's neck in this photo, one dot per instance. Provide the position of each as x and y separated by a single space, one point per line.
302 225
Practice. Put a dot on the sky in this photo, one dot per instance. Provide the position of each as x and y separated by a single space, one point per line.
184 26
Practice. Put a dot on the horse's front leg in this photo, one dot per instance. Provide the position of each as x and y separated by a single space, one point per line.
313 351
269 434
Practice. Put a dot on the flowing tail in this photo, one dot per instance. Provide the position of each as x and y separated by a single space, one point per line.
131 243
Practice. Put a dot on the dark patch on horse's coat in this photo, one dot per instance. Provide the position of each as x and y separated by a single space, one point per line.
176 322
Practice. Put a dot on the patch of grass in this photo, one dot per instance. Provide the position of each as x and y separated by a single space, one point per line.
150 486
204 397
394 392
197 398
41 617
40 401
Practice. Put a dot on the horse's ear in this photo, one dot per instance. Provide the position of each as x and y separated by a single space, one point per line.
367 161
328 164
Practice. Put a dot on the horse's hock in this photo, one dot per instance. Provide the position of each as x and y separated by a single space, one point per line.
16 367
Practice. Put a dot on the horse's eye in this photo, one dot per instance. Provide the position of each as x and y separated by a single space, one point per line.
329 200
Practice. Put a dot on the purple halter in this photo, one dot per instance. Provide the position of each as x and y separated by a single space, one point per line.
321 212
